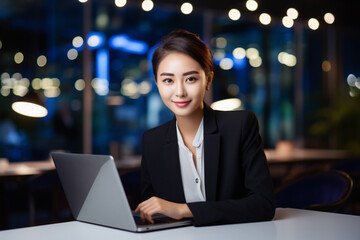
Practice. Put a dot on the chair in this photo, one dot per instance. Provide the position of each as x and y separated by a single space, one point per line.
323 191
351 167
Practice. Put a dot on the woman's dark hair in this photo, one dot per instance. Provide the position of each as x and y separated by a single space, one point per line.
184 42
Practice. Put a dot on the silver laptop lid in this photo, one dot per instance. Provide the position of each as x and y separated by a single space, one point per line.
93 189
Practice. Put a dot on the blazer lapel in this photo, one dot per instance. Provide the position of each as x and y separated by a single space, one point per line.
211 153
172 164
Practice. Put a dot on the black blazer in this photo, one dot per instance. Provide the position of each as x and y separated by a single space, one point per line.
237 181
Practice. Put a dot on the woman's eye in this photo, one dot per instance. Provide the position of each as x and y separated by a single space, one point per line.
191 79
167 80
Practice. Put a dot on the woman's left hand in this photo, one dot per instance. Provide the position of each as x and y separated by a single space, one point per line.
156 205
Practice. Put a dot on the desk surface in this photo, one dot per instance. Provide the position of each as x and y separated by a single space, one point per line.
288 224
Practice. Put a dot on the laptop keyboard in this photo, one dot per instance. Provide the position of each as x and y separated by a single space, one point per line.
157 220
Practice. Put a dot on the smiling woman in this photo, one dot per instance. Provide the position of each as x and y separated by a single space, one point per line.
204 164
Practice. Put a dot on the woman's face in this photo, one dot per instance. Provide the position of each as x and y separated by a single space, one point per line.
182 83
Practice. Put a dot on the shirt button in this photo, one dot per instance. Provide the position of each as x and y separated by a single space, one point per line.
196 180
198 156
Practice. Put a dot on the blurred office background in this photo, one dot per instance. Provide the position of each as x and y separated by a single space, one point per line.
296 64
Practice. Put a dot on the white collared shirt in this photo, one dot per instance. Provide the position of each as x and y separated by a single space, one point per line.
193 178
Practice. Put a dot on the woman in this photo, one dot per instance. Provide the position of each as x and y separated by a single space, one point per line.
204 164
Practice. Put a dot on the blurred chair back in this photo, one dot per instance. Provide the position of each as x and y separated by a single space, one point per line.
324 191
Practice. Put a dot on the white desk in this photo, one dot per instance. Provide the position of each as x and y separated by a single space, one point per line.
288 224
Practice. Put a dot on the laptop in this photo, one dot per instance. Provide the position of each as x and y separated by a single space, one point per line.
96 195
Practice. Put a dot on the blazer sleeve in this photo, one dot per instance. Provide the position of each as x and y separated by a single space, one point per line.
256 201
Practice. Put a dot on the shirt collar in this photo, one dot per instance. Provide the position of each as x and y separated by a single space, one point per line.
199 137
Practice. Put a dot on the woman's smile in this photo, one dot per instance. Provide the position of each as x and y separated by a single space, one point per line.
181 104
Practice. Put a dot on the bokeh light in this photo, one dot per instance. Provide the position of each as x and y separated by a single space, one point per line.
186 8
234 14
251 5
329 18
72 54
252 53
239 53
326 66
147 5
287 22
292 13
120 3
77 41
221 42
313 23
41 61
255 62
19 57
287 59
226 64
265 18
80 84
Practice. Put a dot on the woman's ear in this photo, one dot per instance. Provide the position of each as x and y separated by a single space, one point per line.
209 80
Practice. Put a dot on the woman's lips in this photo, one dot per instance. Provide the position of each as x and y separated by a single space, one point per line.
182 103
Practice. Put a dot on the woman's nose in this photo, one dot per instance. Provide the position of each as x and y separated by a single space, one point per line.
180 90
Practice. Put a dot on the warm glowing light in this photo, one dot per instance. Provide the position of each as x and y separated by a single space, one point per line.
292 13
72 54
101 86
234 14
129 88
255 62
326 66
77 42
24 82
83 1
120 3
265 18
252 53
147 5
329 18
52 92
251 5
29 109
313 23
41 61
226 64
221 42
80 84
5 91
144 87
36 83
186 8
287 21
19 57
19 90
287 59
227 104
239 53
